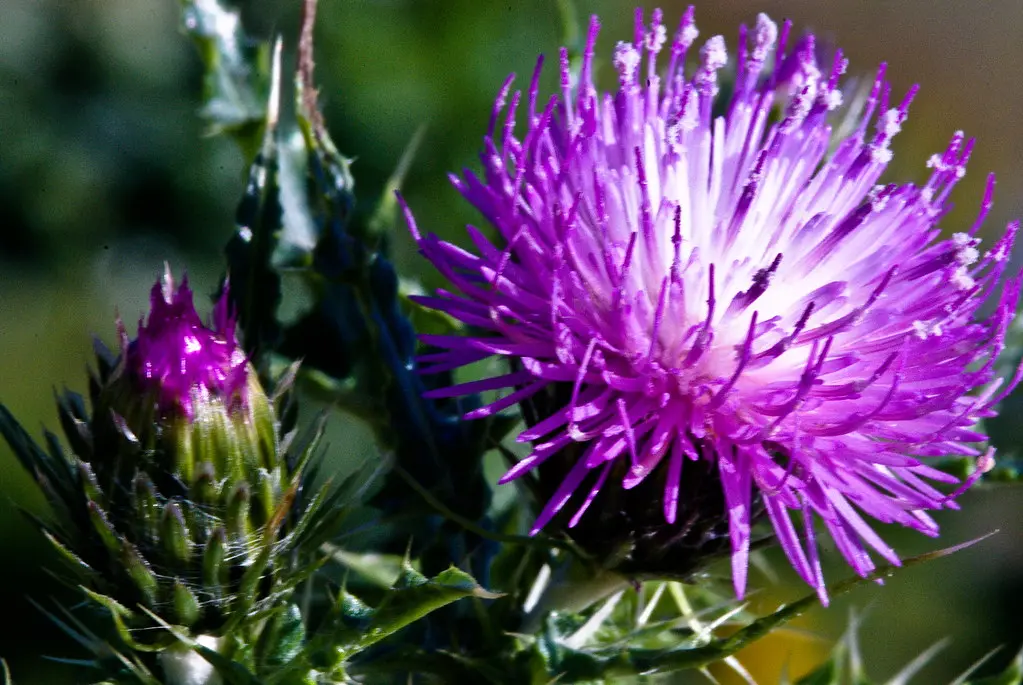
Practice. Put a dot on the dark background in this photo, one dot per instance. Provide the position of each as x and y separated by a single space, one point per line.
105 173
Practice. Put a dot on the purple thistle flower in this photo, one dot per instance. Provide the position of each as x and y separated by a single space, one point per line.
180 360
731 294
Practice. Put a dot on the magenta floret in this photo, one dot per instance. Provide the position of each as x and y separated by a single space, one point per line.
178 358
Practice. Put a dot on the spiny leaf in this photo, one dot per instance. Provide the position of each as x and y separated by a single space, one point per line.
73 560
965 675
910 670
352 625
404 605
581 665
845 664
103 651
44 468
255 288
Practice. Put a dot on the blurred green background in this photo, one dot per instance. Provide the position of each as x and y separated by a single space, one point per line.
105 173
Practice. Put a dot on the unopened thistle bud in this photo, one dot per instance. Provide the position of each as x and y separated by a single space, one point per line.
191 390
176 498
197 478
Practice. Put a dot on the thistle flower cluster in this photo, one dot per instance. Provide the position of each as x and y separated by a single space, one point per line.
698 283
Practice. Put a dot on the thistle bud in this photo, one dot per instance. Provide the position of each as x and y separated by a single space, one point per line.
176 498
189 390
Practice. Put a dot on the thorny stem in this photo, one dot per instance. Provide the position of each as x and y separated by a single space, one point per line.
306 66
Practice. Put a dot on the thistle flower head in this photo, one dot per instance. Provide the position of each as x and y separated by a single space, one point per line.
181 492
178 359
704 290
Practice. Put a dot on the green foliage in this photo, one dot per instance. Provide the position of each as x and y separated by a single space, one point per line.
412 597
350 627
311 280
285 651
655 628
615 647
235 79
846 667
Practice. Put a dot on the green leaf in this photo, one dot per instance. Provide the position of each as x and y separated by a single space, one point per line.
412 598
255 287
300 231
352 625
236 81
